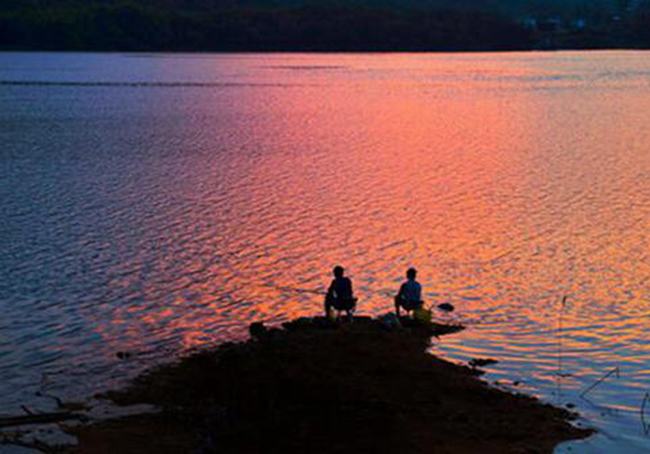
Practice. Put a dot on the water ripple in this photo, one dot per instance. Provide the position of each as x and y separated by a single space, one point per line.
155 220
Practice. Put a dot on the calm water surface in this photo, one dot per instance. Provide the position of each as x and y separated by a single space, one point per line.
153 203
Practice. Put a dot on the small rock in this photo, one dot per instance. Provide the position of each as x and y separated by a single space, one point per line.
447 307
73 406
480 362
390 321
257 330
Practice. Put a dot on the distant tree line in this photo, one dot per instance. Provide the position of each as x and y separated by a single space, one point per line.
295 25
127 25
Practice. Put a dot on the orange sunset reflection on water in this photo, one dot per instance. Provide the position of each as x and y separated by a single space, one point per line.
508 180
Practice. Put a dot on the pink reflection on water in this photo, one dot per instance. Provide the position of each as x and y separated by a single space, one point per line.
508 180
504 188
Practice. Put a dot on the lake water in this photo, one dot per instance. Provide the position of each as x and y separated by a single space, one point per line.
154 203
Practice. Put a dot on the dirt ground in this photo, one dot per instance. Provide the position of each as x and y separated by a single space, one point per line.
318 387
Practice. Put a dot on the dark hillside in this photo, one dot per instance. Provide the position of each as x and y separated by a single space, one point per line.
219 26
321 25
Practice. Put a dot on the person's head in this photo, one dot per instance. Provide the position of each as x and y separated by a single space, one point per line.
338 271
411 273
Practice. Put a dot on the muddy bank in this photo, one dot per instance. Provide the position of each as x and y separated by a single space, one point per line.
312 387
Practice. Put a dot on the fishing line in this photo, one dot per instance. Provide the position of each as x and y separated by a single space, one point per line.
602 379
559 349
646 426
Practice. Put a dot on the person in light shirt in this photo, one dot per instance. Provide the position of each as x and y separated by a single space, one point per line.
409 296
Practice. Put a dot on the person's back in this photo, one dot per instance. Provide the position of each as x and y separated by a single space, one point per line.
341 288
339 294
411 291
409 296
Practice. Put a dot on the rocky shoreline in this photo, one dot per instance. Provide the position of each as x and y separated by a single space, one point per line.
317 386
321 387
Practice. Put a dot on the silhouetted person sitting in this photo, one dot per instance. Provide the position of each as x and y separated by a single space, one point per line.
339 294
409 296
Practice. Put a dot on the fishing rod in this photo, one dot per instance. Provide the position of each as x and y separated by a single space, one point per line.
447 307
386 293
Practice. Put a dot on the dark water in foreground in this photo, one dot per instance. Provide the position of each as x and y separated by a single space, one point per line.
153 203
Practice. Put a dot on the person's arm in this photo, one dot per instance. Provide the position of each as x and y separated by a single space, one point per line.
351 291
400 293
330 290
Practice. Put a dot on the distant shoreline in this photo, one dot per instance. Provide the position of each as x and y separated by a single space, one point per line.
203 26
321 52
